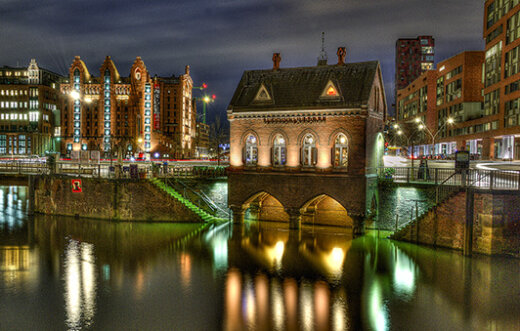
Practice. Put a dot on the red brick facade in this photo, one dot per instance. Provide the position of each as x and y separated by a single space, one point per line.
453 91
138 113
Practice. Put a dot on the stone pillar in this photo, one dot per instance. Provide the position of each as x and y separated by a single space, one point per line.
461 145
358 227
488 145
293 156
254 210
295 218
324 157
264 155
238 214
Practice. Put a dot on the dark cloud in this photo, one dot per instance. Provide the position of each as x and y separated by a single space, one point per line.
221 38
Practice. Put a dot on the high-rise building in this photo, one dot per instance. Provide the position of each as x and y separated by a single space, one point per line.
412 58
502 77
29 110
448 102
114 114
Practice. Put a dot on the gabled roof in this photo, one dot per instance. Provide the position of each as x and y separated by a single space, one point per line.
302 88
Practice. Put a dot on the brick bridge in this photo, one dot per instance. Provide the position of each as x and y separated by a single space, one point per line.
320 199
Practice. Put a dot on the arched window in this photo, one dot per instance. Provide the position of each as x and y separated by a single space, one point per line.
340 151
251 150
309 154
279 151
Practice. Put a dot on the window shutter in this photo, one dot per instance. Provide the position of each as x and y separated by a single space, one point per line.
301 156
272 156
333 156
244 155
314 156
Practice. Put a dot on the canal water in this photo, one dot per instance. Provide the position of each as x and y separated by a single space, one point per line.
63 273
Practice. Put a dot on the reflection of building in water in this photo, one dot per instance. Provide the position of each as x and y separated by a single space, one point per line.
14 258
266 303
255 299
305 143
320 250
13 202
80 284
18 266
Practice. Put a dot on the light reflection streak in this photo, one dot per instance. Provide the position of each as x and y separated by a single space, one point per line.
185 262
262 301
321 305
80 284
339 318
278 311
306 306
404 274
291 303
249 306
377 309
233 294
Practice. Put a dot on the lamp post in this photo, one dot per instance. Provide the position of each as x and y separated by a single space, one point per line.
409 138
423 126
205 100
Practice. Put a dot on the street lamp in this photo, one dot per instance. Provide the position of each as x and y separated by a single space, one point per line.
422 126
205 100
74 95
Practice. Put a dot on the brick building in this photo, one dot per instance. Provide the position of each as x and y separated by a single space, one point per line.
305 142
29 109
413 56
202 140
137 113
452 91
502 77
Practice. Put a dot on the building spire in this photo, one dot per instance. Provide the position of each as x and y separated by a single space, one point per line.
322 59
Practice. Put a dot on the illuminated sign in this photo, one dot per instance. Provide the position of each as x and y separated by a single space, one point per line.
76 186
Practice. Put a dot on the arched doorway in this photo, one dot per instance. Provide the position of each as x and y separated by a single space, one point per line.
265 207
325 210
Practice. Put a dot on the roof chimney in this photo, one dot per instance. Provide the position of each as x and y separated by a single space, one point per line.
187 70
276 61
342 52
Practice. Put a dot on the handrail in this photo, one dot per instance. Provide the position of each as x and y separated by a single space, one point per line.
209 204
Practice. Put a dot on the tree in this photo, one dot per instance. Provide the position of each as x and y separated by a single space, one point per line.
218 135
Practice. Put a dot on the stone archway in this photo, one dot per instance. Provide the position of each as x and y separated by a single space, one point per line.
263 206
325 210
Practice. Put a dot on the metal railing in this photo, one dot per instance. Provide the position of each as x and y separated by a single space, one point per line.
199 198
108 170
478 178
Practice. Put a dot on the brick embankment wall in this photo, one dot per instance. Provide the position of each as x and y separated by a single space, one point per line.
122 200
496 224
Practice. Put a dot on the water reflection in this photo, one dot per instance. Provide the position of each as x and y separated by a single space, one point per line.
80 284
259 276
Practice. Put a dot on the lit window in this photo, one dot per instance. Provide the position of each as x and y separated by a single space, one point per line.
279 151
309 153
341 151
251 150
330 91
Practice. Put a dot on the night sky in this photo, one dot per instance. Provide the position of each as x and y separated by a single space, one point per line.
220 39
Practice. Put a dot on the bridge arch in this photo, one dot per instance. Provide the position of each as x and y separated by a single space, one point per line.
325 210
263 206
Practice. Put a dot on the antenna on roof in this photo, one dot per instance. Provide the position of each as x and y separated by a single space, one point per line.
322 59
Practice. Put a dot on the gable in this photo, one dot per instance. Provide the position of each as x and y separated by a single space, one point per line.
330 91
262 95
